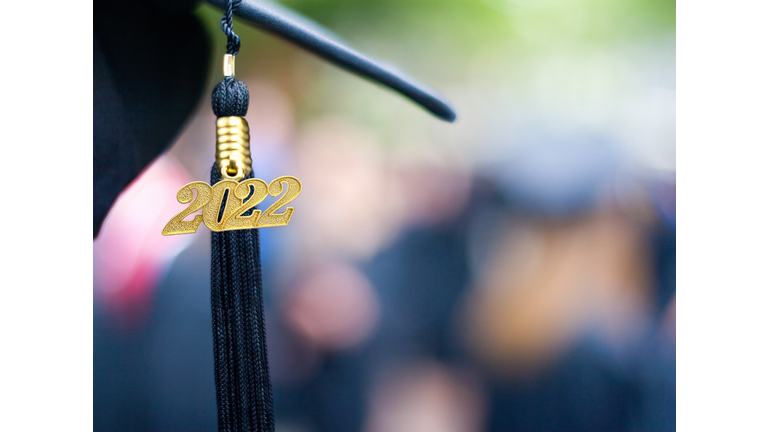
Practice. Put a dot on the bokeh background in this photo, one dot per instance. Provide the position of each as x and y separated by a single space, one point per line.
513 271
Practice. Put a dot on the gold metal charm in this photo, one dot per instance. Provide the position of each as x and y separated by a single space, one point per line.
225 205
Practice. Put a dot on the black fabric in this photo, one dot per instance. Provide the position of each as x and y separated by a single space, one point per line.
243 387
150 61
230 98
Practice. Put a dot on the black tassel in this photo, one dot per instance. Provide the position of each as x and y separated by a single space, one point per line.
243 387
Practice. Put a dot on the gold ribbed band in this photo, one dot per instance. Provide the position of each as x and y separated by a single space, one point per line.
233 148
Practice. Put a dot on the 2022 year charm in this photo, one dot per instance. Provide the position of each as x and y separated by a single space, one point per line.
229 205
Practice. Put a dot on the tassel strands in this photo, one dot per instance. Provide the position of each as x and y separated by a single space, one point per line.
243 387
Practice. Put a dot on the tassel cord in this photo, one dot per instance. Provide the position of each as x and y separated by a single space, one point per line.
233 41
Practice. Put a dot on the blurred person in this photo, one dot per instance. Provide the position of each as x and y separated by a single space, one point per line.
321 319
563 316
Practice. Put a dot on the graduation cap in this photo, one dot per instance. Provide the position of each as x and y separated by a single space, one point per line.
150 65
149 71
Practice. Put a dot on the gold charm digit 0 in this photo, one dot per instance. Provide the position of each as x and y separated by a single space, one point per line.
221 191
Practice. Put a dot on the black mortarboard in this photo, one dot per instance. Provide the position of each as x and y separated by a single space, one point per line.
150 61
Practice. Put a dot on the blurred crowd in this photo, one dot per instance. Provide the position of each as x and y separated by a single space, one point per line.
512 272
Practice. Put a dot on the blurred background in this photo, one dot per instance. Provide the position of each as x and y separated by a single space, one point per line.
513 271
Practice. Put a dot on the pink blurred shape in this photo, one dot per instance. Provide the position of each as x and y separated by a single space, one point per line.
130 256
333 307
